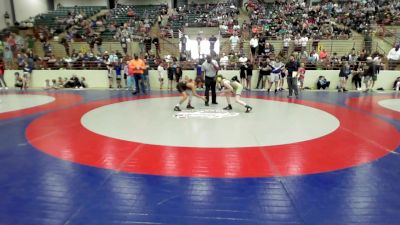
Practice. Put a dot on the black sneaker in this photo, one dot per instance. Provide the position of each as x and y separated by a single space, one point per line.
207 103
229 107
276 91
135 93
189 107
177 108
214 103
268 91
248 108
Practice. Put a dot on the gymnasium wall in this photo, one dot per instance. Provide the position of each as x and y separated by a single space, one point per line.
98 78
144 2
29 8
81 3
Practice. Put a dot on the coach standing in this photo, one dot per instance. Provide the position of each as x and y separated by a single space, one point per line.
292 66
210 68
136 67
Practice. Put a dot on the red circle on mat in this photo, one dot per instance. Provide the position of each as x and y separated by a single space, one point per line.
61 100
371 104
359 139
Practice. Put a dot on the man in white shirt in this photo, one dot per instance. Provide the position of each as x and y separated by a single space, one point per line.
210 68
161 73
224 61
253 46
234 39
286 42
303 42
394 57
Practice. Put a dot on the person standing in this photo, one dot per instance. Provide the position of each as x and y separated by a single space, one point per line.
212 41
394 57
265 72
136 68
249 74
161 73
344 74
210 68
253 47
2 81
292 67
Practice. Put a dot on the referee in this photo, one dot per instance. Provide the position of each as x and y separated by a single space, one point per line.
210 68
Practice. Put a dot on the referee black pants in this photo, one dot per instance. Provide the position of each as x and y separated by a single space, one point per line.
210 84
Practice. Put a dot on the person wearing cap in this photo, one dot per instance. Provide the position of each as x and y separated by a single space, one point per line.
394 57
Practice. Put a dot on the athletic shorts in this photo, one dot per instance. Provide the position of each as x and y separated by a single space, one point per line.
274 77
180 88
170 77
367 78
239 90
374 77
253 50
118 77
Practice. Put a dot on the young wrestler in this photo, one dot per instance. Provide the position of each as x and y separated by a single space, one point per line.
187 88
232 88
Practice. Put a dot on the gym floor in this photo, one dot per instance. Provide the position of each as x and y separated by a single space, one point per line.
105 157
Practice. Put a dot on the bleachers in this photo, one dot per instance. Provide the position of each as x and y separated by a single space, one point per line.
51 18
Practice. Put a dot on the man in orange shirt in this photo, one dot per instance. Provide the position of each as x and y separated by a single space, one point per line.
136 67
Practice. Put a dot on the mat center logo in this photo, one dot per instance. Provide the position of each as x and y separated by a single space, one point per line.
205 113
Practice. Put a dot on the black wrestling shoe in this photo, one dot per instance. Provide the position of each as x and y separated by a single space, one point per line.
189 107
177 108
229 107
248 108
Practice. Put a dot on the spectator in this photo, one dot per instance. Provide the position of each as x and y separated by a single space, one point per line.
394 57
234 40
224 61
344 74
369 73
249 74
396 84
358 73
265 71
136 67
302 72
253 46
2 70
212 41
161 73
322 83
20 82
292 67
